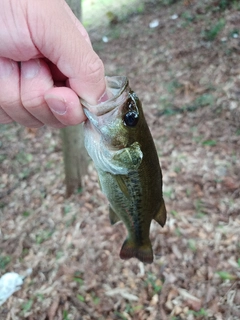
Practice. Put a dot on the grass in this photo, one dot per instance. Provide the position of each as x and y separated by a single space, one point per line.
78 277
78 280
210 143
26 306
24 158
204 100
43 236
177 169
188 16
120 315
80 298
65 315
224 275
95 299
66 209
199 209
169 193
2 156
167 107
201 313
173 85
59 254
214 30
25 252
177 232
192 245
174 213
129 311
40 296
153 282
224 4
4 261
26 214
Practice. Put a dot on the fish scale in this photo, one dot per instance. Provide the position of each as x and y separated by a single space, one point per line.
130 206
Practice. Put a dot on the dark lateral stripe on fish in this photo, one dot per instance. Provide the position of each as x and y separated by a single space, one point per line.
136 191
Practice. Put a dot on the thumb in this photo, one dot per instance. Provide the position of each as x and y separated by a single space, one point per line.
59 39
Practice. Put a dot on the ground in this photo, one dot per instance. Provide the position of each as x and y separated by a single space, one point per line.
186 71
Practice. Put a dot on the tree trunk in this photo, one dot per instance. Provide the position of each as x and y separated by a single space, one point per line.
75 155
76 7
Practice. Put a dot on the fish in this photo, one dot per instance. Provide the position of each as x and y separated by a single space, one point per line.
119 141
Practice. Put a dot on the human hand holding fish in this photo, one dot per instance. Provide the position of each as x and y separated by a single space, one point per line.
46 63
120 144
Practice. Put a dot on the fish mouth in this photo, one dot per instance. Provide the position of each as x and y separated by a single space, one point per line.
106 112
93 119
105 116
102 122
117 93
99 124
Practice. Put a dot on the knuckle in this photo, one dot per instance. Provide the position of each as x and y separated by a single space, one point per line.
4 119
30 102
94 69
7 101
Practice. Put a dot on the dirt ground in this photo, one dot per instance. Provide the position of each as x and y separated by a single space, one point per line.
186 71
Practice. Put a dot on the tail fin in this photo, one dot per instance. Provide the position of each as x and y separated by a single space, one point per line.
143 253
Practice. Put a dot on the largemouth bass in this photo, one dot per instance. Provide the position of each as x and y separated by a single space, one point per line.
120 144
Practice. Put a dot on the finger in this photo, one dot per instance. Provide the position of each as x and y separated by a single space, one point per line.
65 46
16 40
57 75
4 118
77 23
65 105
36 79
10 100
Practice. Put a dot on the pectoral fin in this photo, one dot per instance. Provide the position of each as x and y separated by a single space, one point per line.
161 215
122 185
130 157
113 216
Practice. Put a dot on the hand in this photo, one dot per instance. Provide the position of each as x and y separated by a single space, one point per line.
46 64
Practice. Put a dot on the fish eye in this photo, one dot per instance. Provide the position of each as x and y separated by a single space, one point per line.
132 114
131 118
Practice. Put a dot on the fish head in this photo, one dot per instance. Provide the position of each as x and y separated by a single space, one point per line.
118 119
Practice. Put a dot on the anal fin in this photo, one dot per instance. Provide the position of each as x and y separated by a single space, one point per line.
161 215
113 217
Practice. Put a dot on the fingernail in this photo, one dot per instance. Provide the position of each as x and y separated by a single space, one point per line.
6 68
30 69
56 104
